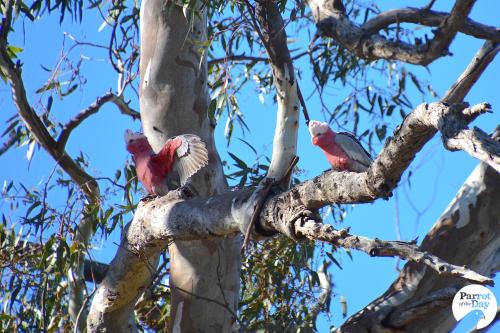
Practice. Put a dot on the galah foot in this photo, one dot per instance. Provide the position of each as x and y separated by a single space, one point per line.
149 197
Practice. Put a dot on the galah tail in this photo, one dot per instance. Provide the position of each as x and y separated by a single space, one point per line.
185 154
343 151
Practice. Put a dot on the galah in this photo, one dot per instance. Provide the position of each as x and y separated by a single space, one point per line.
343 151
186 154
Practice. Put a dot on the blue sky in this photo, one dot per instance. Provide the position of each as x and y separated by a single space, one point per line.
437 174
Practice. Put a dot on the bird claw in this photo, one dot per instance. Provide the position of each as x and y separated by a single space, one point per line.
149 198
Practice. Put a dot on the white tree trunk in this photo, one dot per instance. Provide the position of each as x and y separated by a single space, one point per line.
174 100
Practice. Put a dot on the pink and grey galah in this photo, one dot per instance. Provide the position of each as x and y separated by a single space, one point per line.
343 151
185 154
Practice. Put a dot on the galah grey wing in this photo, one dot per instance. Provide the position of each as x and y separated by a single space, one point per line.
192 156
353 148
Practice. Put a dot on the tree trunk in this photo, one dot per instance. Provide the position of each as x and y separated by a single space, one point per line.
174 100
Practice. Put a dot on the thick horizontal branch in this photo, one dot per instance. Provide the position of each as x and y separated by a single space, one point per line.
429 18
92 109
332 21
380 248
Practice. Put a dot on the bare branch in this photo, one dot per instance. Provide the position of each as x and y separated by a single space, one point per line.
380 248
429 18
92 109
236 57
334 23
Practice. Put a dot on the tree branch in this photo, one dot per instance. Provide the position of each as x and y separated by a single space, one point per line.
429 18
325 283
334 23
243 57
273 36
478 144
92 109
379 248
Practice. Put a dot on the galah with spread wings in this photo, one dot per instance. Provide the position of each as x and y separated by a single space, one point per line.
343 151
186 154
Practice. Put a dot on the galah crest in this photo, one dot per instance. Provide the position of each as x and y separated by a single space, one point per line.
186 154
343 151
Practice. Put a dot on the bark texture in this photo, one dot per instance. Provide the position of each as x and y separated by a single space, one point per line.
174 100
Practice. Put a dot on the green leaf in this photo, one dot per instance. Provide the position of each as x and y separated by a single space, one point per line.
48 86
239 162
13 51
332 258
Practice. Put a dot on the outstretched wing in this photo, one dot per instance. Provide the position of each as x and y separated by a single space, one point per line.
353 148
192 156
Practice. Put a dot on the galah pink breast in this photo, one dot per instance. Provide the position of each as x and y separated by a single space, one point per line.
185 154
343 151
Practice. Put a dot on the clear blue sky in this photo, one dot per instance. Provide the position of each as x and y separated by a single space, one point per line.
437 174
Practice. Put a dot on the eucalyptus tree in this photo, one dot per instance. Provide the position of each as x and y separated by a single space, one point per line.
187 62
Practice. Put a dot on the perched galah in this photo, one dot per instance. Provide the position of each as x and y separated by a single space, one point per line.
186 154
343 151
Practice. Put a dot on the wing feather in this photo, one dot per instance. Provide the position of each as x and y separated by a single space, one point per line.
192 156
353 148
